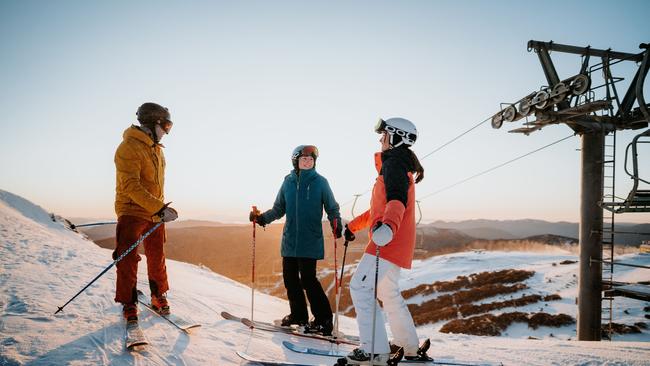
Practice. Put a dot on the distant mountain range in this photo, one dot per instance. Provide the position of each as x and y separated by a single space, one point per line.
521 229
461 231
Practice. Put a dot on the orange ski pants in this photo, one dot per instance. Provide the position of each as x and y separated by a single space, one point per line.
129 230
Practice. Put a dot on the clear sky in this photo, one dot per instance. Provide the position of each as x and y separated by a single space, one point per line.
247 81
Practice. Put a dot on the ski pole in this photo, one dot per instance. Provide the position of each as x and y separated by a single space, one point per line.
73 226
374 307
256 212
336 278
340 290
133 246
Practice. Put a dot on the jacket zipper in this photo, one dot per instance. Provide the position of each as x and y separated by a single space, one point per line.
297 216
155 167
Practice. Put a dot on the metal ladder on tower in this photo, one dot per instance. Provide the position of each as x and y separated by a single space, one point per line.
609 191
609 195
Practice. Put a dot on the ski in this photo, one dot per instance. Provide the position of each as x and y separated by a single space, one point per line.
339 354
273 328
269 362
313 351
175 320
352 340
134 338
228 316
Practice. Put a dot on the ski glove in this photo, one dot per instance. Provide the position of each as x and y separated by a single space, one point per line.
382 234
257 217
338 230
168 214
349 235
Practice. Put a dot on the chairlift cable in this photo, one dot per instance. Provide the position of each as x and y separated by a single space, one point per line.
495 167
455 138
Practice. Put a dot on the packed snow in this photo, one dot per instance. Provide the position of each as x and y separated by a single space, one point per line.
43 264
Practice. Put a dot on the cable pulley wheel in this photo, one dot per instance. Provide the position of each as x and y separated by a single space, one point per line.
497 121
559 92
540 100
580 84
525 107
510 113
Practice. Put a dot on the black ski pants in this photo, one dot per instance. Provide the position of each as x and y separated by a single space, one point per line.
300 278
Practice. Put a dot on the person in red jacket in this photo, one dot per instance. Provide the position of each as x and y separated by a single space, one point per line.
391 218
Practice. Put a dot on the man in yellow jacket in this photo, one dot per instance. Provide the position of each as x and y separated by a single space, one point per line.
139 205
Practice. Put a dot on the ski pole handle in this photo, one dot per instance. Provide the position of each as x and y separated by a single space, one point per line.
256 214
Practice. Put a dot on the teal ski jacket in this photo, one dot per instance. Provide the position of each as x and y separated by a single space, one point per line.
302 198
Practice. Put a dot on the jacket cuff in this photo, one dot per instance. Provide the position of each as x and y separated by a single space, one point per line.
360 222
393 214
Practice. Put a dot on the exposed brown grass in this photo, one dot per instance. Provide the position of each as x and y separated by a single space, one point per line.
620 329
474 280
470 309
446 306
544 319
568 262
493 325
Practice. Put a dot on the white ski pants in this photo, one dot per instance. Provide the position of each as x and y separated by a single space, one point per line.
362 290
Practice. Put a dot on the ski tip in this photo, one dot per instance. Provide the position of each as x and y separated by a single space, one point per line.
248 322
137 347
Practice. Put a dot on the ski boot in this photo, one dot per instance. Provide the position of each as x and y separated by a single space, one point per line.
320 327
130 313
291 321
360 357
421 354
160 305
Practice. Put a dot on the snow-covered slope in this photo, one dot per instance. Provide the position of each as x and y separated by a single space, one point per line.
42 264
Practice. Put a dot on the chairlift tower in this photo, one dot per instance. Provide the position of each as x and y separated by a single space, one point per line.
593 112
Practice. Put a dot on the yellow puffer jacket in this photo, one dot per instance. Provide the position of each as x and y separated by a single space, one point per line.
140 175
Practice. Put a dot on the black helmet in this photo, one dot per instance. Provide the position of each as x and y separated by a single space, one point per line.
152 113
303 150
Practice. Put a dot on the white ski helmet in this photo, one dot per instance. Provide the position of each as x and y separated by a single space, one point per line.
400 131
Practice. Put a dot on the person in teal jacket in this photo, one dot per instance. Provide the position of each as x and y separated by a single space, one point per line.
303 196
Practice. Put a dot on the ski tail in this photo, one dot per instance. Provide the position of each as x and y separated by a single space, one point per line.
134 337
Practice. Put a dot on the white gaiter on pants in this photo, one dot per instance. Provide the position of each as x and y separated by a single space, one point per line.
363 297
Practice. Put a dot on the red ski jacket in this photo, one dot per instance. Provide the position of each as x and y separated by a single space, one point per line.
393 203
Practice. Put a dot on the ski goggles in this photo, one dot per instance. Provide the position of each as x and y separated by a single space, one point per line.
166 125
382 126
305 150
